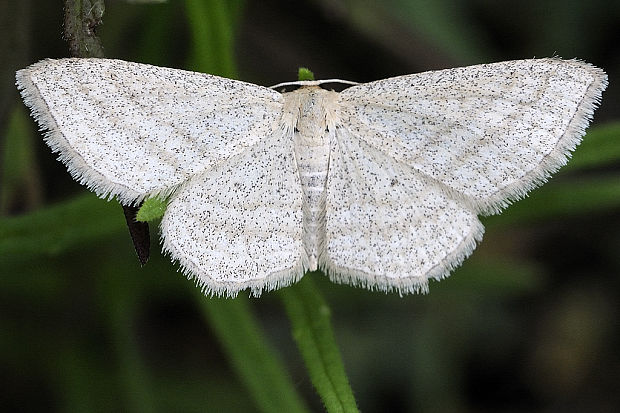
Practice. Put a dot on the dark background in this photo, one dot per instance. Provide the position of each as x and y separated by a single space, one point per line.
529 323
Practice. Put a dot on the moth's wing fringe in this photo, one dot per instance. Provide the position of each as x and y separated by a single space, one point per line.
404 285
560 155
103 187
75 163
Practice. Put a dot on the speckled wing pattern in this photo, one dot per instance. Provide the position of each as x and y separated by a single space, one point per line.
410 162
490 132
215 145
388 227
418 157
239 225
132 131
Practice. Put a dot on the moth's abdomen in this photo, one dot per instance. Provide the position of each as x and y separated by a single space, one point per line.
313 162
308 114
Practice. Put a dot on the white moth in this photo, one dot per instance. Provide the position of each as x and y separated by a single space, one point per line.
380 185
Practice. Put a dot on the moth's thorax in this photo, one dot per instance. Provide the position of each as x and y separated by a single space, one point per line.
309 115
310 111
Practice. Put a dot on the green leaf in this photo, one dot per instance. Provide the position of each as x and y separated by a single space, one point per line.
444 24
151 209
305 74
568 196
57 228
562 199
312 330
600 146
492 275
251 355
211 23
20 175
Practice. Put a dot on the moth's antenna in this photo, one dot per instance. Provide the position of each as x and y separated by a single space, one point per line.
314 83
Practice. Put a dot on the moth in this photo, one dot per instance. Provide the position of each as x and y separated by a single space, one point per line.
380 185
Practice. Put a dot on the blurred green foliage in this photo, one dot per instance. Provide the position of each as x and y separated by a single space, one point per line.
529 322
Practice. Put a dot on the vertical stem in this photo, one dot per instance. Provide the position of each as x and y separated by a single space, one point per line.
251 355
312 330
82 17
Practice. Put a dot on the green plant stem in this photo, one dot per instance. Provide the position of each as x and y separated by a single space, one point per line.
600 147
312 330
253 359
